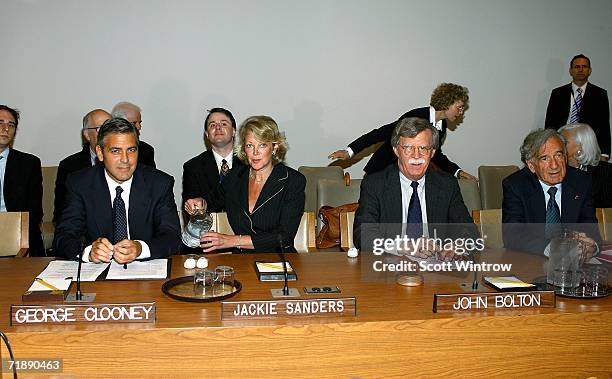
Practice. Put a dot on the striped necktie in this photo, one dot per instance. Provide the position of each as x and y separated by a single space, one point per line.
553 215
575 116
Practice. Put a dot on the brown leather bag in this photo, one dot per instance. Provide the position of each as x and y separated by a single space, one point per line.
330 216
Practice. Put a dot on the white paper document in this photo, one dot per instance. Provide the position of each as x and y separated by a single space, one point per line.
153 269
50 285
68 269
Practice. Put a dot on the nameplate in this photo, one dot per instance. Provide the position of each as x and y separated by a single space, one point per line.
469 302
78 313
258 309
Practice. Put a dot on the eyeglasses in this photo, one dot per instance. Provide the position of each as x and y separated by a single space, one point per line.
7 124
412 149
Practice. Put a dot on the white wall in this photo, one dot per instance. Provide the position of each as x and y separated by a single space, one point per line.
326 70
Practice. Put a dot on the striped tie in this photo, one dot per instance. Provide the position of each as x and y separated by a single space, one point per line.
553 215
575 116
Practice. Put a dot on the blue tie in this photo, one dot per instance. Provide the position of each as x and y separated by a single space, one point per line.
119 217
414 226
575 115
553 215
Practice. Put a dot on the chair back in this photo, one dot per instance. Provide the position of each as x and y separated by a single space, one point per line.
14 230
490 180
305 240
47 228
346 230
471 194
604 220
313 174
489 222
336 193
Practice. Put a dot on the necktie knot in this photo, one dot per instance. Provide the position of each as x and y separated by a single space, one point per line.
552 191
119 190
414 185
579 90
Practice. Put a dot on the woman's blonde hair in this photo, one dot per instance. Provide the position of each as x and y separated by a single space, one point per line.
264 129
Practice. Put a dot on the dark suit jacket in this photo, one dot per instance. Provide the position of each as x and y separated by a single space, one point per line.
201 177
602 184
384 156
524 208
595 111
380 206
81 160
278 209
88 213
146 154
23 192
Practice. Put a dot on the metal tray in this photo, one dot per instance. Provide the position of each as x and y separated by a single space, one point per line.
540 282
182 289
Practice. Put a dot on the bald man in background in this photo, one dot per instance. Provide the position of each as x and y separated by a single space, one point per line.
78 161
133 113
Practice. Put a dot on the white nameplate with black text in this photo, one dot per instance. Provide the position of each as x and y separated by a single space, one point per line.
264 309
73 313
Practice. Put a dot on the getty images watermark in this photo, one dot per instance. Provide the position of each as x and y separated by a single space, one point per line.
430 254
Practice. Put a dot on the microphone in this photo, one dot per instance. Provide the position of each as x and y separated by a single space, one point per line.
285 291
78 296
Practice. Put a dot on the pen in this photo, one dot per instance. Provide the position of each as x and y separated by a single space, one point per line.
46 284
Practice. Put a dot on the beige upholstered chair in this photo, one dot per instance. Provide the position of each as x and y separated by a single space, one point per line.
346 230
489 222
304 239
604 219
313 174
49 174
14 231
470 193
490 179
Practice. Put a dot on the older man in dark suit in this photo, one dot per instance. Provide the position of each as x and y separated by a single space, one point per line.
545 194
405 196
119 210
20 180
581 101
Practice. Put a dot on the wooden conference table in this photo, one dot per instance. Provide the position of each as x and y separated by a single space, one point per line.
395 332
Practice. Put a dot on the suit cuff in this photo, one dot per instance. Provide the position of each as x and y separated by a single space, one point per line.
85 255
350 152
146 252
457 173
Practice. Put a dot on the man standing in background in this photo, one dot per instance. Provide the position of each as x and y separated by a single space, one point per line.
132 113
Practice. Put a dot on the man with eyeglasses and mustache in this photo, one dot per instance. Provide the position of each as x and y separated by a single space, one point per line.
404 197
133 113
20 180
78 161
203 173
448 103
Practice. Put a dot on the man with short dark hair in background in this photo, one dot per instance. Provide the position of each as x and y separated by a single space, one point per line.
20 180
133 113
203 173
581 102
78 161
119 209
545 194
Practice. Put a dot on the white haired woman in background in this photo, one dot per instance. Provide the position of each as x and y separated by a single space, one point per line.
583 152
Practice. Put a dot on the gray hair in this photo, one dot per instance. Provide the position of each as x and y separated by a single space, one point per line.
410 127
588 153
116 125
122 109
535 140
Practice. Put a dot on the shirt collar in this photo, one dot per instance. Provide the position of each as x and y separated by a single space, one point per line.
432 118
5 153
218 158
112 184
583 87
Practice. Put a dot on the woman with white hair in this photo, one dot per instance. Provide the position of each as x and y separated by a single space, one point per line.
583 152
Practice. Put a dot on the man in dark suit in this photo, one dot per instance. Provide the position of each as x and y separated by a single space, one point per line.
203 173
78 161
545 194
448 102
581 101
407 195
119 209
133 113
20 180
